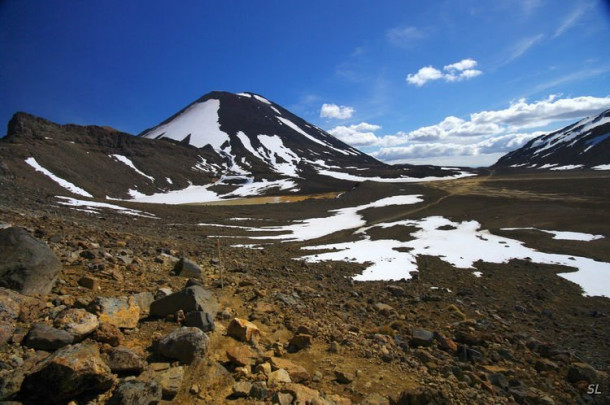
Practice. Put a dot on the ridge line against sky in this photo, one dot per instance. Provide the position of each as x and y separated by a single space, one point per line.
451 83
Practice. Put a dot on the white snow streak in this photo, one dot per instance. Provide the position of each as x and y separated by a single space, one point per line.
567 167
561 235
94 207
352 177
64 183
128 162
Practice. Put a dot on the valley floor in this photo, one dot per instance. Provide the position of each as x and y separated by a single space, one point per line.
506 324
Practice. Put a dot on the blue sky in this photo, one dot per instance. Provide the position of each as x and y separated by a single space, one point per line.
456 82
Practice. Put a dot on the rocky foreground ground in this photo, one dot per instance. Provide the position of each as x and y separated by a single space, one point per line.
140 311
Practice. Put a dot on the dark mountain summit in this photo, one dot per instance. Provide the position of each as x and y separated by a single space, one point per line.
585 144
256 136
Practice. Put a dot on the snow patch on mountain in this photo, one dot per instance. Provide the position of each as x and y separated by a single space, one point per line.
64 183
200 121
352 177
93 207
128 162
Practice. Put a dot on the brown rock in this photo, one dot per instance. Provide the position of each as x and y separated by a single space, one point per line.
384 309
184 344
418 396
108 333
77 321
278 377
9 312
302 394
445 343
375 399
89 282
170 381
582 372
122 312
344 376
301 341
297 373
122 360
241 355
71 371
244 331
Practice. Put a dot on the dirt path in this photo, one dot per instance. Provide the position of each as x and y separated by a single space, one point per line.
477 186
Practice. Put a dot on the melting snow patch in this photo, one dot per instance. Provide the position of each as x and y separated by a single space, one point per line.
561 235
257 188
601 167
459 244
477 273
191 194
352 177
128 162
64 183
342 219
94 207
261 99
567 167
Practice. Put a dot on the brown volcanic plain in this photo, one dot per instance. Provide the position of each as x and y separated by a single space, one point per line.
521 331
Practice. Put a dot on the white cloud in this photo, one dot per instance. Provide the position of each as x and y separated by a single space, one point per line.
461 70
571 19
495 145
424 75
477 141
464 64
336 111
522 114
357 135
404 36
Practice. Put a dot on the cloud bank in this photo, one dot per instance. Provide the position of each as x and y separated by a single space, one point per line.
484 133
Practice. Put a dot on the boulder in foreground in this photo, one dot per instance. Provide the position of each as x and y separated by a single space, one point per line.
68 373
27 264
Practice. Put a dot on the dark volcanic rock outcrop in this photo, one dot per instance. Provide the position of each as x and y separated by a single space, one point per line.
27 265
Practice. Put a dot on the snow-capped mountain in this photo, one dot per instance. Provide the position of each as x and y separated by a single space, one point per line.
585 144
221 146
256 137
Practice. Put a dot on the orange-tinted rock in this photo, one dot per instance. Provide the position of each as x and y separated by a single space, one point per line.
244 331
122 312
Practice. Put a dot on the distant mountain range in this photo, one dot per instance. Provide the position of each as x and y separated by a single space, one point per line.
223 145
585 144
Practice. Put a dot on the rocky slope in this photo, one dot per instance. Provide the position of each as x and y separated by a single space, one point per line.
585 144
127 322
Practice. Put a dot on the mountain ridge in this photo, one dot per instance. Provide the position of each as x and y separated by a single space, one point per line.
262 149
583 144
